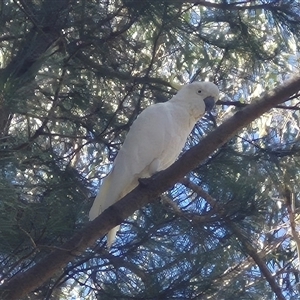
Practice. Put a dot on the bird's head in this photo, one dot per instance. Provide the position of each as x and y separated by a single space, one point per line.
200 96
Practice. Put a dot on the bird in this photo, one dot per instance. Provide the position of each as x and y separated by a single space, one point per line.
153 143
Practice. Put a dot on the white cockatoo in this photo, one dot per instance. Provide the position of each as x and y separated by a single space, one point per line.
153 143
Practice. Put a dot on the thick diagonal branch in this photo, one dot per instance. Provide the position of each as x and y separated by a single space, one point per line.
29 280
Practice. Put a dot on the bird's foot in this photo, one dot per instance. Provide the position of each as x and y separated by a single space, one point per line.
145 181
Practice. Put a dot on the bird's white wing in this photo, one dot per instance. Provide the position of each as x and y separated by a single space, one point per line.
152 144
142 154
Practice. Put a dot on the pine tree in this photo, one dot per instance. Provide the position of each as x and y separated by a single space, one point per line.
74 75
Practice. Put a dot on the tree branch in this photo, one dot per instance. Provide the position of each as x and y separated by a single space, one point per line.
258 260
23 283
252 251
241 105
242 5
289 199
105 71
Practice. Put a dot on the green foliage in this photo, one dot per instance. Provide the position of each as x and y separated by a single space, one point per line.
75 74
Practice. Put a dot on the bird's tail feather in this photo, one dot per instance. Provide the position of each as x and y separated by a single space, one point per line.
111 236
101 202
106 197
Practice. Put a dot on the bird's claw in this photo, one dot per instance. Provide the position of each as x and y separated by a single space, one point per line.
144 181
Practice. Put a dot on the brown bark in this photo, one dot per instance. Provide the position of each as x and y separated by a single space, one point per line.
23 283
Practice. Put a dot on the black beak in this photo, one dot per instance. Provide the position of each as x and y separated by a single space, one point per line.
209 103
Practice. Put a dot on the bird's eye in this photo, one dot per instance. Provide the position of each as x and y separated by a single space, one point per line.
199 91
